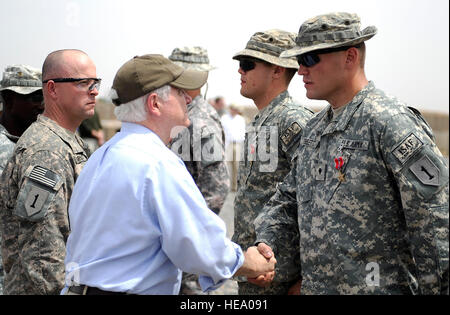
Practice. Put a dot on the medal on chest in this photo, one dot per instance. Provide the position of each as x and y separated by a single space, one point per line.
339 164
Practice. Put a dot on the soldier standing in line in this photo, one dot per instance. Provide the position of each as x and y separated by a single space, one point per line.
37 182
201 145
21 96
370 185
271 140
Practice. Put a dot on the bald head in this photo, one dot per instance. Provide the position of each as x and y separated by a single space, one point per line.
57 63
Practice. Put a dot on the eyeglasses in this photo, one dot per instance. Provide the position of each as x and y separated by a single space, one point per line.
247 64
90 83
312 58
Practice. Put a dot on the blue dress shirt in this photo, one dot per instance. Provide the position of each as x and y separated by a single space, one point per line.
137 218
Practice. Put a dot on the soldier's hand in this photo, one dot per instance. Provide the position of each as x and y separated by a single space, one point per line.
265 250
263 280
255 264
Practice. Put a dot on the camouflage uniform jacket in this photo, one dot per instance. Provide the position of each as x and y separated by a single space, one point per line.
7 143
35 189
379 225
203 152
277 129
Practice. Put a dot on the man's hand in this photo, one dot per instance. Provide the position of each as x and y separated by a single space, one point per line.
265 250
263 280
266 279
255 264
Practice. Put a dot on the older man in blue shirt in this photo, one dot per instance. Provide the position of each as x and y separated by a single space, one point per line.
136 215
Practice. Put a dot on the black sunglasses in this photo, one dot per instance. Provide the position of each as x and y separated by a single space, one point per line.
95 84
312 58
247 64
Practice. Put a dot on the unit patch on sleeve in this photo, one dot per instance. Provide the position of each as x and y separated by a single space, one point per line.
426 171
290 133
35 200
37 192
407 148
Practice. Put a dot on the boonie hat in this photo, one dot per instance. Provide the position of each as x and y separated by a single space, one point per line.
21 79
331 30
195 58
268 46
146 73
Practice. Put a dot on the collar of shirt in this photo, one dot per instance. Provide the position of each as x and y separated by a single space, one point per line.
269 109
342 120
128 127
72 139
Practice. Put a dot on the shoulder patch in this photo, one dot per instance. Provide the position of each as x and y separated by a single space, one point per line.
290 133
37 192
426 171
407 148
36 199
44 176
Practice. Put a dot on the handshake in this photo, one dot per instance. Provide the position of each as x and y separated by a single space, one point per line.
259 265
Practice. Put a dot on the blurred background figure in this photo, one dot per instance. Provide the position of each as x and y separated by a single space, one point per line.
219 104
91 131
234 126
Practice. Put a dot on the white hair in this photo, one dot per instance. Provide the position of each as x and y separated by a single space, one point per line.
136 110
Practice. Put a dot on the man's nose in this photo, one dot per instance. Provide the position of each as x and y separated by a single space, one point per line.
302 70
94 91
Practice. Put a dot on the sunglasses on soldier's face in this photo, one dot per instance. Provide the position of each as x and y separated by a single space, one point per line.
312 58
247 64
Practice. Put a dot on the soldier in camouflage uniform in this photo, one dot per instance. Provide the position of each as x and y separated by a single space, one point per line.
276 130
21 96
201 145
37 181
370 185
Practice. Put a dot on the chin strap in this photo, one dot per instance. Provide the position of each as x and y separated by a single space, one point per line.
206 91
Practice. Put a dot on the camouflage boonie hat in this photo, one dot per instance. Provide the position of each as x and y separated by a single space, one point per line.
268 46
330 31
21 79
194 58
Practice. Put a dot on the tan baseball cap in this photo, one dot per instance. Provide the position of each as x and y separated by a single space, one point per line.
144 74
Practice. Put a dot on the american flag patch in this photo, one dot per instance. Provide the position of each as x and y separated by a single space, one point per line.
44 176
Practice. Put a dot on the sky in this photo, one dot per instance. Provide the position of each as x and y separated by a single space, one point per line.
408 58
